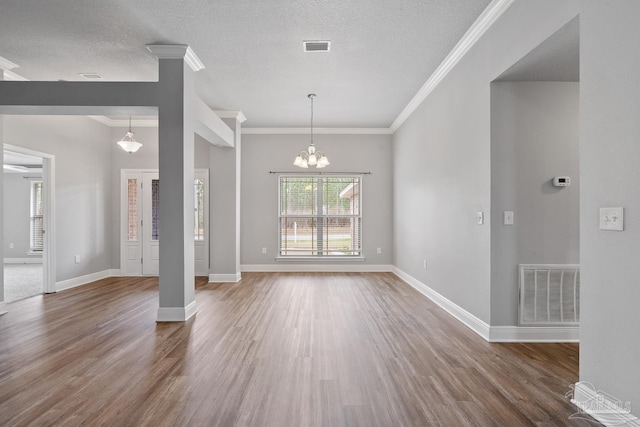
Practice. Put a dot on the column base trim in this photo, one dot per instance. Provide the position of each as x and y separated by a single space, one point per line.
225 278
3 308
176 314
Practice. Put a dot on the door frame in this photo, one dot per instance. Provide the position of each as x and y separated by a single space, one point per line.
124 175
49 214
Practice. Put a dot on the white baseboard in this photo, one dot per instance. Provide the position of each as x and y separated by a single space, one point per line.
83 280
30 260
474 323
315 268
176 314
225 278
534 334
3 308
494 333
605 408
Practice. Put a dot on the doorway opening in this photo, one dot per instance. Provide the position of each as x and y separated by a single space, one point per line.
28 223
139 222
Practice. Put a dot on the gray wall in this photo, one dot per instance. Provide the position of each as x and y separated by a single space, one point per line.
83 186
347 153
610 174
442 164
534 137
17 213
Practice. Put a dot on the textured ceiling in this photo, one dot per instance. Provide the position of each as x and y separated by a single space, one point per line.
556 59
382 51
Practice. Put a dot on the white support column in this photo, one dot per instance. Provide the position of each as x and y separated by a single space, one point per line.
177 103
225 202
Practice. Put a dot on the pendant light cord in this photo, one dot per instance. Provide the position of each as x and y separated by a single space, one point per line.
311 96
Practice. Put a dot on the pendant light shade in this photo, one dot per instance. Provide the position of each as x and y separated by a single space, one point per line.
311 157
128 142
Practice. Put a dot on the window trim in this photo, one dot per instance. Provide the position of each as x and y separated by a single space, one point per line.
319 257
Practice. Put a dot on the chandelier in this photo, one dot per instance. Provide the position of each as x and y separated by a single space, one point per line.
128 141
311 157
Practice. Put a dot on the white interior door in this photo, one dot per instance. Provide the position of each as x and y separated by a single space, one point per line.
140 249
150 223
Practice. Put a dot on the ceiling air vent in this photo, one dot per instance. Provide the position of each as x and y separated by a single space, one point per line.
316 45
91 76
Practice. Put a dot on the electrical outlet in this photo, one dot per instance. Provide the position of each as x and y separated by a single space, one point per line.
77 259
379 251
264 251
425 264
10 245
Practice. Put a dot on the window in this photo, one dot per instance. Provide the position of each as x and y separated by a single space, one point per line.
320 216
198 209
132 210
36 226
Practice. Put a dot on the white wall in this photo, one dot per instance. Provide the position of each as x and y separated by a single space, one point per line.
442 164
534 137
610 174
17 213
83 186
347 153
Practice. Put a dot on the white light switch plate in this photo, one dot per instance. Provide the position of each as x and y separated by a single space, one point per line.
479 217
508 217
612 219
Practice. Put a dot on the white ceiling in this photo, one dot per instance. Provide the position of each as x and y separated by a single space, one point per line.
382 51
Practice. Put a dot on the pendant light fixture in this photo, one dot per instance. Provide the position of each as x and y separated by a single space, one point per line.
128 141
311 157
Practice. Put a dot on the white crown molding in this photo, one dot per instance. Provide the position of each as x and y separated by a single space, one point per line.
227 114
11 76
140 123
7 65
486 19
316 131
177 51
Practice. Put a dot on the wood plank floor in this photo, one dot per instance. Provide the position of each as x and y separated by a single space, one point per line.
276 349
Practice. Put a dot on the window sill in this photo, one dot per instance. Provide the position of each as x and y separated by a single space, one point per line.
320 259
32 253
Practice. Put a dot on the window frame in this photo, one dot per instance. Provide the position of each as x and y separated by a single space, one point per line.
319 256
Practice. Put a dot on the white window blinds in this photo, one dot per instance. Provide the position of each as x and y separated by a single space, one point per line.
37 220
320 216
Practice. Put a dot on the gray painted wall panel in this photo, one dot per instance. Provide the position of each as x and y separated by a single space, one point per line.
442 168
534 137
609 155
347 153
83 186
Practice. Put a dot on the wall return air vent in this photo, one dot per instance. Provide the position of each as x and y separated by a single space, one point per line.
316 45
